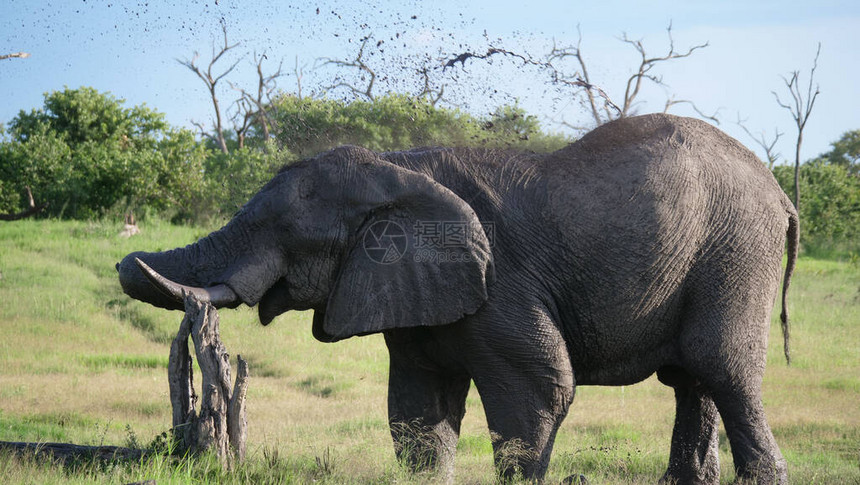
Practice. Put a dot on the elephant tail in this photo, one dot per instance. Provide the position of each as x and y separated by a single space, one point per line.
793 241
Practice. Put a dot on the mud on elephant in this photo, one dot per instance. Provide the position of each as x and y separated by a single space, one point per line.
653 244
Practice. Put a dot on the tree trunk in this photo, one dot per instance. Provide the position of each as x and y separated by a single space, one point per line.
797 171
221 425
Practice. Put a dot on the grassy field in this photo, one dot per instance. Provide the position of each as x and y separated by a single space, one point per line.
82 363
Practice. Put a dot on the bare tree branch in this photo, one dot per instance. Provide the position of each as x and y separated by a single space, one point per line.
299 72
646 64
762 141
580 77
577 80
366 73
14 55
800 108
211 80
253 107
433 95
711 117
576 52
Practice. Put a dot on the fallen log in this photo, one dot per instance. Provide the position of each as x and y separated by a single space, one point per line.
32 210
66 453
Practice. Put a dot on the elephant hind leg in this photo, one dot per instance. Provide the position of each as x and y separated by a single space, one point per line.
523 421
734 386
756 455
527 385
732 378
724 345
694 456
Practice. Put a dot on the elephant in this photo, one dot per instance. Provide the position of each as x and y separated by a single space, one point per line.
653 244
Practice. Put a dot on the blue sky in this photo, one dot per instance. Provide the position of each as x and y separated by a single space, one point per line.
130 49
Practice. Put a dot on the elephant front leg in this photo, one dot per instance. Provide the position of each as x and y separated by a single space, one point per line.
425 408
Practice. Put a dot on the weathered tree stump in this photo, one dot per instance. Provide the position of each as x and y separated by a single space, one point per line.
221 425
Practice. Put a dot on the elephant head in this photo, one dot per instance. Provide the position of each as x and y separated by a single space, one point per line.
334 234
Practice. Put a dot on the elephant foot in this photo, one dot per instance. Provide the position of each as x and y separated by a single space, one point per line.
673 478
764 472
575 479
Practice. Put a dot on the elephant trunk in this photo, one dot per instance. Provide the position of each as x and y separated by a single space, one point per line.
219 295
202 268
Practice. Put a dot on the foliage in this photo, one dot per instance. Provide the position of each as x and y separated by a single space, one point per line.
308 126
234 177
85 154
846 152
830 213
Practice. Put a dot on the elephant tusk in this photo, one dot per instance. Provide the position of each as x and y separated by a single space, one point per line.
219 295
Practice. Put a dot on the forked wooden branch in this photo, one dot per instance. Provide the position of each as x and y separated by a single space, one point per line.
221 424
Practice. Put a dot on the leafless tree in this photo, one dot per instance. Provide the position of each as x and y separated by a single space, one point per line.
361 78
647 64
253 107
211 80
800 108
713 117
583 79
366 74
600 105
299 72
432 94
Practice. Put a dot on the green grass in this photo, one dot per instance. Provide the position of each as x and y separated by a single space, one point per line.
80 362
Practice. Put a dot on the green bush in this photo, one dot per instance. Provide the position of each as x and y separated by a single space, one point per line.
233 178
86 154
829 205
397 122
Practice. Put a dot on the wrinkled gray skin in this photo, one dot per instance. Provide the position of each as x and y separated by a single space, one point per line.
653 244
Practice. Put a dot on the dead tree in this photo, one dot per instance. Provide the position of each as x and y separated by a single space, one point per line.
211 80
600 105
221 425
32 210
366 74
647 64
800 108
582 80
254 107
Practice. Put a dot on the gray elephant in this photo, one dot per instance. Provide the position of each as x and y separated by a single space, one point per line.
652 244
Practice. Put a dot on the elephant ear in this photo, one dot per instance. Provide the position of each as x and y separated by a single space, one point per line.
420 257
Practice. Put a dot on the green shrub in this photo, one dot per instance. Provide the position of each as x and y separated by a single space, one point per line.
397 122
829 206
84 153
